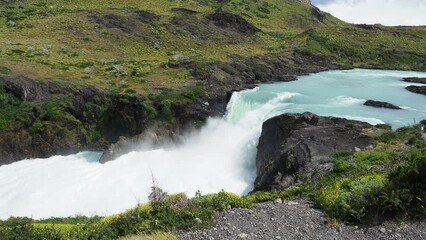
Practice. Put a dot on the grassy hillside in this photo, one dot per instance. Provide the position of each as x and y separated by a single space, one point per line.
127 45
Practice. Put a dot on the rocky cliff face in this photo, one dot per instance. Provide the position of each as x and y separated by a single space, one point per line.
56 117
293 148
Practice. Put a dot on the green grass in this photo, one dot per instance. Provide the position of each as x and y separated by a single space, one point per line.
75 41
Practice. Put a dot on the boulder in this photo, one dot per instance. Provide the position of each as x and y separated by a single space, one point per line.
294 148
414 80
379 104
417 89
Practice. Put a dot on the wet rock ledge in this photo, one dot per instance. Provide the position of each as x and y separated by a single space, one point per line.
414 80
379 104
417 89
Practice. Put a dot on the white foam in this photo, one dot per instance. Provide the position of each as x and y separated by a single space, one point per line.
344 100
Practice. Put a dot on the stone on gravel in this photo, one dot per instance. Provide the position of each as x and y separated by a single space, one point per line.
198 221
88 71
243 235
278 201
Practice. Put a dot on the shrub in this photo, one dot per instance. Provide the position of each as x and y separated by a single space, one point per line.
287 194
220 201
350 199
406 186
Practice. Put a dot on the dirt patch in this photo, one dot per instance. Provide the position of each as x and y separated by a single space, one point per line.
231 22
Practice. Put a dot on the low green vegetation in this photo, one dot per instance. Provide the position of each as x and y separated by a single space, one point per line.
173 212
386 182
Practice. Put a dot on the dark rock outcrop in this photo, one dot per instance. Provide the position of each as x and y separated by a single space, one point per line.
27 89
294 148
367 26
231 22
417 89
414 80
125 116
317 14
57 118
379 104
134 24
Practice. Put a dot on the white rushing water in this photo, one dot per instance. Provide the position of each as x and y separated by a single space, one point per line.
219 156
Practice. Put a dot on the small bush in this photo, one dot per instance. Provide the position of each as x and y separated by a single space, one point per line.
220 201
406 186
287 194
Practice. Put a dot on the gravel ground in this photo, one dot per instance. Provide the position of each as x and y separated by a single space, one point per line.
296 220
